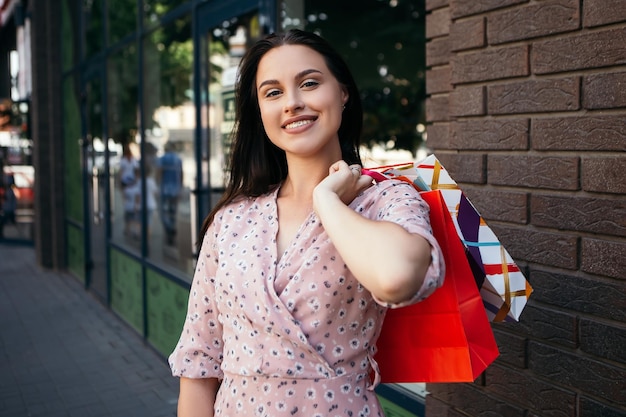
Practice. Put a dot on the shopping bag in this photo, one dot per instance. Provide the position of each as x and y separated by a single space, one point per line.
446 337
503 287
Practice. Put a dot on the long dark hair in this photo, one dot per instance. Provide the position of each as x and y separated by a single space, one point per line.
256 165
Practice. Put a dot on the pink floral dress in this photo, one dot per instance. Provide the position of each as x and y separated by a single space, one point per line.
293 333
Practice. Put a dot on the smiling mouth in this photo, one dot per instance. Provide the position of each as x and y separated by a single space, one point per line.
299 123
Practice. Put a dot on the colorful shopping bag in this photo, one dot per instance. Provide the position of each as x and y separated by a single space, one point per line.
447 337
503 287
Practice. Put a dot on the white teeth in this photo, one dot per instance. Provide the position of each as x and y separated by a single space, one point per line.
297 124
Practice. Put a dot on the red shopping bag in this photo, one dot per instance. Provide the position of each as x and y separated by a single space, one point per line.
447 337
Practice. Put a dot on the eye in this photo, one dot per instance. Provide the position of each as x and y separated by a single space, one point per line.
271 93
310 83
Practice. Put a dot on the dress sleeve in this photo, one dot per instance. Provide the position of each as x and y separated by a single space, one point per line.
398 202
199 351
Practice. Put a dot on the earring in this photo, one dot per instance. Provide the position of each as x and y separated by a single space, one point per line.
344 107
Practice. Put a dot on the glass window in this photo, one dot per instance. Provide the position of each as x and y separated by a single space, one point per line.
153 10
94 23
383 42
124 155
169 155
122 19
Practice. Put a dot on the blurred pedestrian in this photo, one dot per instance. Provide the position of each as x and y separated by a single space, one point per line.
170 179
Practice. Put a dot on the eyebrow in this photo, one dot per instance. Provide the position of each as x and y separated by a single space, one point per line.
299 75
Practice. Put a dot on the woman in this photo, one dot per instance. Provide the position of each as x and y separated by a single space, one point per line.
303 255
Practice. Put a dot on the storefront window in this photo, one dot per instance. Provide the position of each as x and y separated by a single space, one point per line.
122 19
169 152
124 155
383 42
153 10
94 22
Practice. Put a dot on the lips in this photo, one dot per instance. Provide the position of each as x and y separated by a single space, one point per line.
297 122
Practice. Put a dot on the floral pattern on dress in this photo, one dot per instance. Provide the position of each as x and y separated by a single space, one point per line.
291 333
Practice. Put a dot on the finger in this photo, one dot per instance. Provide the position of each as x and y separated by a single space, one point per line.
356 169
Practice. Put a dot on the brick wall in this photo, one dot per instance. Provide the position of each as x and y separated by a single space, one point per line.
527 110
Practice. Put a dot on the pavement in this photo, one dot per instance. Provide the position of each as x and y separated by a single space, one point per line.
64 354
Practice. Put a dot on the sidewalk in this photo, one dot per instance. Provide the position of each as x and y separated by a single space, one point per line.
63 354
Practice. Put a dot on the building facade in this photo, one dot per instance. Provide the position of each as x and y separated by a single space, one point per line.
126 107
527 109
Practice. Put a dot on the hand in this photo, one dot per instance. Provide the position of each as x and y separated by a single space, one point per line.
345 181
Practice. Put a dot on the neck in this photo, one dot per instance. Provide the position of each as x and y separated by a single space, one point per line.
303 176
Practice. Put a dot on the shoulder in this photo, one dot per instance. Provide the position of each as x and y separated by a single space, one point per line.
390 188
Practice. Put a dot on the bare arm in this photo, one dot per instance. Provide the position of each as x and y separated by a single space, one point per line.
197 397
389 261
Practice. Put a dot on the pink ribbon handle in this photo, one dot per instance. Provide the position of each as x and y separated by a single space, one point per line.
376 176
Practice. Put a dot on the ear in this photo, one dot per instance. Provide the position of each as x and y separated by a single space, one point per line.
344 95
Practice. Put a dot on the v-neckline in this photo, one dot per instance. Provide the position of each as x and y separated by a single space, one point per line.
283 258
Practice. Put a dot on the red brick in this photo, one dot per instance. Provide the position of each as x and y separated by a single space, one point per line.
539 395
553 249
592 408
548 172
603 12
537 19
468 168
587 50
436 407
438 51
587 133
438 23
490 64
465 8
534 96
473 401
435 4
438 135
539 322
604 174
437 109
595 215
497 134
604 91
599 297
512 346
438 80
468 33
604 257
468 101
502 206
573 370
603 339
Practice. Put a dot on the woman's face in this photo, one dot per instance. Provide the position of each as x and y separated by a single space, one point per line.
301 102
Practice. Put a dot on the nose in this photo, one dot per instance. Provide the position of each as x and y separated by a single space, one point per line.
293 102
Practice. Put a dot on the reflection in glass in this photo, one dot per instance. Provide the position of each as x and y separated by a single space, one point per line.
94 23
383 42
122 19
169 160
153 10
227 44
123 150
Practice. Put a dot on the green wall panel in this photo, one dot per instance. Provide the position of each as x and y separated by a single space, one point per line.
394 410
126 289
76 252
167 307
